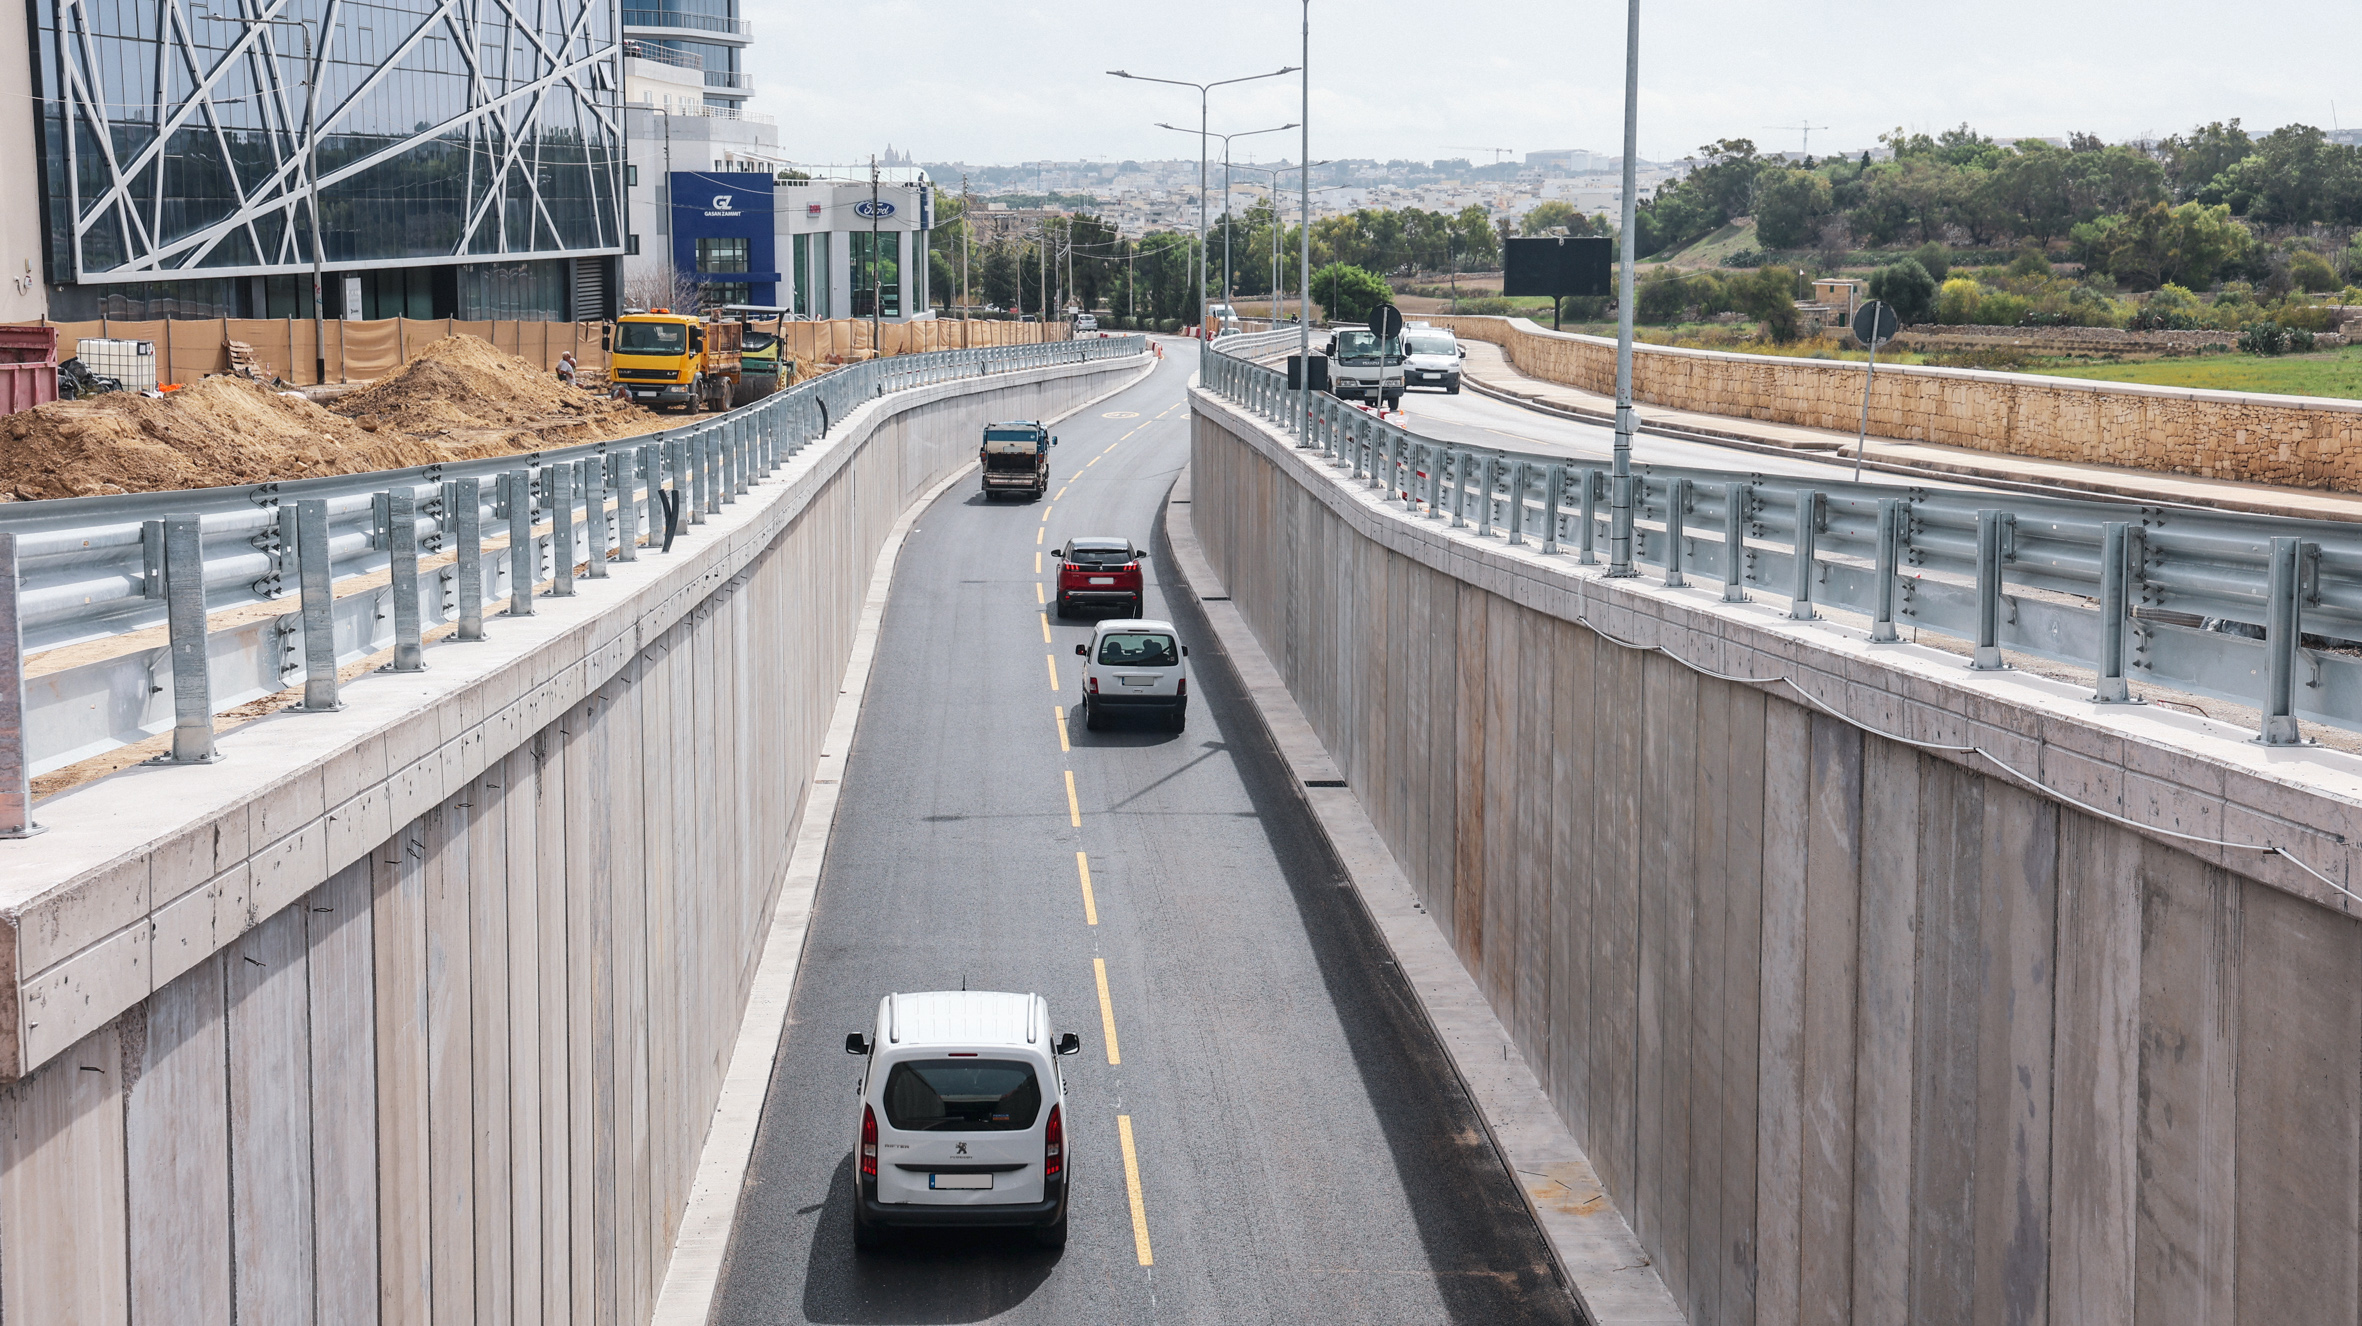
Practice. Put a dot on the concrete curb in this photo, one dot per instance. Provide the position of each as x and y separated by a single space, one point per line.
1601 1261
694 1274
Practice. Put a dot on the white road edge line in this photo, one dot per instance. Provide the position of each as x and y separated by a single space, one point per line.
1598 1255
694 1274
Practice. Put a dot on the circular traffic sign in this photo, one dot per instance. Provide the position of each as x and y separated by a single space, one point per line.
1386 322
1875 323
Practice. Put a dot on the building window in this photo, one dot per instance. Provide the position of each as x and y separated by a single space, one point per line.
877 273
719 293
631 177
812 278
631 245
722 255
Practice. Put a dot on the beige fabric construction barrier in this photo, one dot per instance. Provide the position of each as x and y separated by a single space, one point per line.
2298 441
190 348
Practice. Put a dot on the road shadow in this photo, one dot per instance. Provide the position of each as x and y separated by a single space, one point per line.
921 1276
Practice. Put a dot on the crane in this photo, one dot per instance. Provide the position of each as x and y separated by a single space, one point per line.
1498 152
1805 128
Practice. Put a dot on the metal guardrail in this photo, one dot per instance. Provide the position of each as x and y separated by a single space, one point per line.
2260 610
75 570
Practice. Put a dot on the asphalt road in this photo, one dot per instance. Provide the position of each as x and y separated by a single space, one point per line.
1305 1153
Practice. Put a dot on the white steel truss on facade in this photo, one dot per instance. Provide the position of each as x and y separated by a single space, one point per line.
180 140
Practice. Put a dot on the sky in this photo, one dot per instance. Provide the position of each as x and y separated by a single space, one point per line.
1001 83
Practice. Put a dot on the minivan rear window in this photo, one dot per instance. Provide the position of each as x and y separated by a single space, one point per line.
1138 649
962 1096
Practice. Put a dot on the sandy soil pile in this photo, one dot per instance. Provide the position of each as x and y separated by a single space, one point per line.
460 400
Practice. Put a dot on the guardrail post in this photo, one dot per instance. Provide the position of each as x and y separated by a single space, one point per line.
315 582
1736 499
1890 543
726 456
1514 508
705 457
466 500
1586 547
594 515
522 562
558 479
1553 502
1457 463
1988 649
627 464
2112 686
2281 634
402 525
1676 506
16 777
1808 522
184 615
1487 470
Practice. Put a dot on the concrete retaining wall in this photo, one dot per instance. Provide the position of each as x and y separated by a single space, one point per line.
1853 1031
2300 441
417 1012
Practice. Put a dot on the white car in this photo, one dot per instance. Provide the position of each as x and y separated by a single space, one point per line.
962 1116
1135 665
1431 358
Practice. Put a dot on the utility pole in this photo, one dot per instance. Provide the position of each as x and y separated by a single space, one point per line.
967 242
1620 482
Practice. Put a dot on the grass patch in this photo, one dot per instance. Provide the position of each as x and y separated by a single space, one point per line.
2334 373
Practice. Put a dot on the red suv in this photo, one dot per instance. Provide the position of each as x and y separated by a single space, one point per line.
1099 572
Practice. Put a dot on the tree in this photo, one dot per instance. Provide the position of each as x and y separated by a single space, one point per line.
1907 287
1769 297
1555 214
1348 293
656 283
1474 239
2311 272
1789 205
2295 176
2192 162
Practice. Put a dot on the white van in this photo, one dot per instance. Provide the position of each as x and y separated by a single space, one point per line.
962 1116
1135 665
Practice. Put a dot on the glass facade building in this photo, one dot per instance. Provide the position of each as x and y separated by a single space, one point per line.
481 142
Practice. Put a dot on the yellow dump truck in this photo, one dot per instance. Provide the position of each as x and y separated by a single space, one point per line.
664 358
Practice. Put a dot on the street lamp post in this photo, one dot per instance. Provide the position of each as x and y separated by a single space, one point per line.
1203 89
1226 220
1620 489
1304 232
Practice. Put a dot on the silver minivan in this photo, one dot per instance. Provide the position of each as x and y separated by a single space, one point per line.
963 1116
1135 665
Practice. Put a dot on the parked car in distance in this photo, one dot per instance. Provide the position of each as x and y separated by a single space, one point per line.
1431 358
962 1116
1135 665
1084 322
1099 571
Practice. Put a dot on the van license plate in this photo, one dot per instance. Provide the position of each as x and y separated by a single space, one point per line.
1139 681
959 1180
1102 580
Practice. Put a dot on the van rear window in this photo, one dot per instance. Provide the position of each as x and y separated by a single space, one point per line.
1138 649
962 1096
1011 435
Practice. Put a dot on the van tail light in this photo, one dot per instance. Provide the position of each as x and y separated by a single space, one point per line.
1092 683
1181 688
1054 1146
869 1142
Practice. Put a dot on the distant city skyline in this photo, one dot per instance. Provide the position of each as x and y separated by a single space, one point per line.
1001 85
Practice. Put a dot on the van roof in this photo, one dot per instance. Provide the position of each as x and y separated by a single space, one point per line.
1017 423
961 1017
1134 624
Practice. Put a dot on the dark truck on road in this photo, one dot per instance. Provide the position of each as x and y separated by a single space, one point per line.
1016 459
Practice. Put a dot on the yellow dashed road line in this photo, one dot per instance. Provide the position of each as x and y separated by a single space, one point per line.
1082 866
1074 808
1046 633
1060 710
1123 1132
1106 1010
1037 538
1052 660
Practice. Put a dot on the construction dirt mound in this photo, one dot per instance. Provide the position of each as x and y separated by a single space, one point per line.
461 399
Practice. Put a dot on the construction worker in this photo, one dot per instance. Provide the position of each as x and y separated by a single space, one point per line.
566 368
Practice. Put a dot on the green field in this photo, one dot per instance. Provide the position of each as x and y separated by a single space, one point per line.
2336 373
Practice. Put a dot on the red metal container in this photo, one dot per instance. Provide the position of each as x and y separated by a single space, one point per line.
28 367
